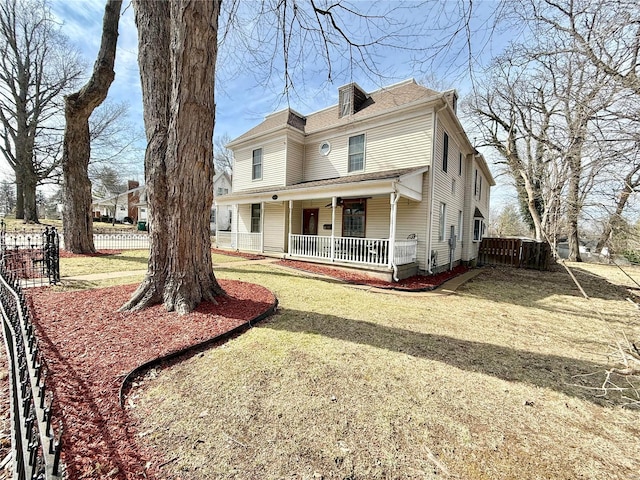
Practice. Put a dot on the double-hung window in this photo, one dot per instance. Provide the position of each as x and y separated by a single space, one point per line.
356 153
354 214
442 220
478 229
256 165
255 218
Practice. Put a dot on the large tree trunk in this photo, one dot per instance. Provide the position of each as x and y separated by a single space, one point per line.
531 205
178 98
19 197
573 203
615 220
29 184
77 214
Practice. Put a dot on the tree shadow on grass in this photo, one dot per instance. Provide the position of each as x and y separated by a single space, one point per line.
530 288
569 376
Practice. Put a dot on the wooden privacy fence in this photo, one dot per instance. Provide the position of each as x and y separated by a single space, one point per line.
514 252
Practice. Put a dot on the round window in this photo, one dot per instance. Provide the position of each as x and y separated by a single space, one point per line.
325 148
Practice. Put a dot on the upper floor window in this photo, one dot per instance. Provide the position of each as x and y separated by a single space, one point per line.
256 165
356 153
445 153
475 184
222 191
460 164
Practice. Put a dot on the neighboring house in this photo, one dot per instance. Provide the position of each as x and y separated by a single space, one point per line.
119 205
221 215
385 181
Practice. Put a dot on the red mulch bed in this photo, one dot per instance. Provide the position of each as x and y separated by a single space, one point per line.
89 348
233 253
100 253
416 283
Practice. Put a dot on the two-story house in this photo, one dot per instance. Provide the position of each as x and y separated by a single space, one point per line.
385 181
221 216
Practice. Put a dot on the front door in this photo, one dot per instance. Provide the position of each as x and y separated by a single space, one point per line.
310 221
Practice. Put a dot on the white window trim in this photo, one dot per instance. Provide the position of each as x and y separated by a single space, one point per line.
442 225
254 179
481 229
364 153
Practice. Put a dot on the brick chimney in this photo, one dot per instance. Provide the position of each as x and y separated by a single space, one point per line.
133 198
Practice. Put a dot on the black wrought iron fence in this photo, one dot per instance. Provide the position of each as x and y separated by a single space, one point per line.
36 447
33 258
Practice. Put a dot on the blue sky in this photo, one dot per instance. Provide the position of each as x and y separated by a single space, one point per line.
245 94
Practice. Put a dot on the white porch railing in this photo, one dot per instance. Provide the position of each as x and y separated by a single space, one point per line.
239 241
405 251
369 251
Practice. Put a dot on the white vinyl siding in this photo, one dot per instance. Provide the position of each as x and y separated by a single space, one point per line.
295 161
378 213
274 154
403 144
443 187
275 220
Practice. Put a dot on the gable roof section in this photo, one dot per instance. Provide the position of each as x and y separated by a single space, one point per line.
380 101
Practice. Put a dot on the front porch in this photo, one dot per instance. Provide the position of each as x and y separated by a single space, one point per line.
357 222
367 251
347 251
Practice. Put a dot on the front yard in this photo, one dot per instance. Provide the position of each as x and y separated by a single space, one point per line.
500 380
497 381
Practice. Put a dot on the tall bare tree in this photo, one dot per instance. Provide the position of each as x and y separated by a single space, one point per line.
222 156
605 32
177 45
77 215
37 66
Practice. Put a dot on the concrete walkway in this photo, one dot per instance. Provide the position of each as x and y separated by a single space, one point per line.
447 288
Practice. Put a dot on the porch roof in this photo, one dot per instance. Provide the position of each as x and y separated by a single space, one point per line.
406 182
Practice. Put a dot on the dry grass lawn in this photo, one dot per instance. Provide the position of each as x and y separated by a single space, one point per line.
496 382
127 260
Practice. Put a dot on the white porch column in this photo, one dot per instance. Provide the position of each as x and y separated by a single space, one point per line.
261 227
393 199
234 227
334 203
290 224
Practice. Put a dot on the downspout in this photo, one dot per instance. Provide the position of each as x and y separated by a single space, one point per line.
334 203
432 180
392 233
290 226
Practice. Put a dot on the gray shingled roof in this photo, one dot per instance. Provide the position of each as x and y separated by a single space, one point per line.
379 101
